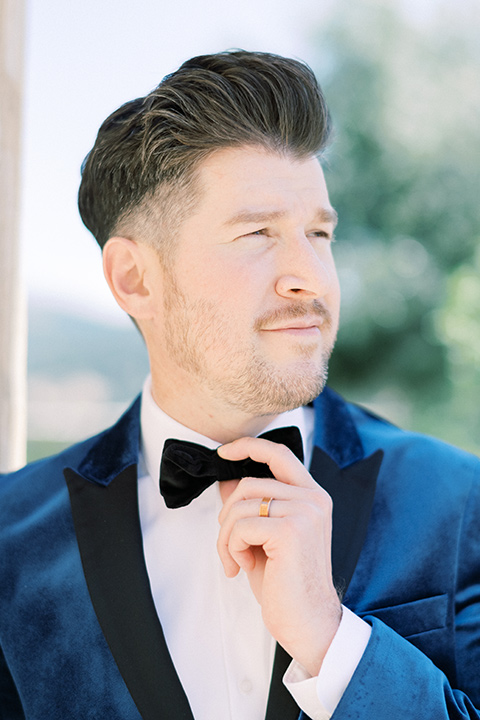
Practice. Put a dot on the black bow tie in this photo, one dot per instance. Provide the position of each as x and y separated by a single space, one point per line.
187 469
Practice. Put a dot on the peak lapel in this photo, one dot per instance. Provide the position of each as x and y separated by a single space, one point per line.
352 490
110 542
103 497
340 467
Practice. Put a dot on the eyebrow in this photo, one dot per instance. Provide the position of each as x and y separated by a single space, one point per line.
323 215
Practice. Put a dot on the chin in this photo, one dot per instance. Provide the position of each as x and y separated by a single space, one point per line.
285 392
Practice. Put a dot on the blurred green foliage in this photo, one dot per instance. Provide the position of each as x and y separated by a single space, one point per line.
403 173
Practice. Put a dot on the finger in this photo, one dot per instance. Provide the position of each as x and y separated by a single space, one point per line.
312 523
285 466
253 489
250 488
245 536
241 511
281 539
315 517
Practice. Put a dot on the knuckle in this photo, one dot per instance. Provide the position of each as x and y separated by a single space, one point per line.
312 512
323 500
289 528
327 502
283 451
245 484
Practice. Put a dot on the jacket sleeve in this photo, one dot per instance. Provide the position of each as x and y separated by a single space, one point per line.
395 680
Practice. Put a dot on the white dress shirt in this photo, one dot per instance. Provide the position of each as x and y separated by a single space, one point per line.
213 626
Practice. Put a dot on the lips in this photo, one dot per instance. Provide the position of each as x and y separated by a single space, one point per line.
296 319
298 324
310 331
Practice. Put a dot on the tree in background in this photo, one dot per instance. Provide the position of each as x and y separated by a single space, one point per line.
403 174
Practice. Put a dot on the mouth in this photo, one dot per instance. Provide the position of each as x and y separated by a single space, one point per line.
302 323
296 324
297 327
312 330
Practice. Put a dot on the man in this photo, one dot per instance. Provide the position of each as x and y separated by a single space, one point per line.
222 599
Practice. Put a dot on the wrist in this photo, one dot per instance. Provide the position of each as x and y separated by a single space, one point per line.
311 652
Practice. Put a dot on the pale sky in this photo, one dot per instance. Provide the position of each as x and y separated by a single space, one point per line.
84 59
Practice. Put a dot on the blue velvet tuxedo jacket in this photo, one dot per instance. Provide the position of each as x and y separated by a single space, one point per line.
79 635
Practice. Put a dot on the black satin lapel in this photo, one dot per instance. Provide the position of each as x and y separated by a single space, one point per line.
281 705
352 490
110 542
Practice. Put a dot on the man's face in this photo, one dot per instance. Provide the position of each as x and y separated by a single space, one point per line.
248 309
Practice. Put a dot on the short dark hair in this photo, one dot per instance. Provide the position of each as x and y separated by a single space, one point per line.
151 147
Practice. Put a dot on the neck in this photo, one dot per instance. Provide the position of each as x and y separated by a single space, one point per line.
210 418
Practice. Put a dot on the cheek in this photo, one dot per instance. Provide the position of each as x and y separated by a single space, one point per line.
335 294
234 283
334 288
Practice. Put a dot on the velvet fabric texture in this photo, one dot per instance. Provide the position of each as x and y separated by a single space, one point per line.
79 636
187 469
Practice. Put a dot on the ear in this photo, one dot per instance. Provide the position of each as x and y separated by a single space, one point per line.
130 269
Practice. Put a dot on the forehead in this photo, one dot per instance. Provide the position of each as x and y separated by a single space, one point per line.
251 178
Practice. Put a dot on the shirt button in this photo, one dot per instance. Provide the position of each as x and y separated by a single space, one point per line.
246 686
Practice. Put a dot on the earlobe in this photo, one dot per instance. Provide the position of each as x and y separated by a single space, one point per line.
127 273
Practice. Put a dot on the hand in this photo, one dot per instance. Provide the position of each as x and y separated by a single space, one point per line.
286 556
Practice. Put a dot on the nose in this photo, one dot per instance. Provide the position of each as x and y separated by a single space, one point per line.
306 268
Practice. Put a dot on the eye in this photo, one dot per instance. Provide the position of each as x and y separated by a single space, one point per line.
257 233
322 234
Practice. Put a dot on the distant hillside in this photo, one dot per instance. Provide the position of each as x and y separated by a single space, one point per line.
81 375
61 345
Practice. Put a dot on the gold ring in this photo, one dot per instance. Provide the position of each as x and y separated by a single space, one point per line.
264 507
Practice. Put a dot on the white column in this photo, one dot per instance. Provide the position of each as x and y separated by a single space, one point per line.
12 301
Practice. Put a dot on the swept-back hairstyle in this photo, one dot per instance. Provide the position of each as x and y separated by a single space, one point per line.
150 148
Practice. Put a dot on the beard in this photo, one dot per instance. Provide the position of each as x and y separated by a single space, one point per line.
202 341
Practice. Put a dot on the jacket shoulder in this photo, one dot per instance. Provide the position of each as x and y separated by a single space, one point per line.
404 450
374 429
43 478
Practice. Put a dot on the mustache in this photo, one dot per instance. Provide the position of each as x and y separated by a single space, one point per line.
313 309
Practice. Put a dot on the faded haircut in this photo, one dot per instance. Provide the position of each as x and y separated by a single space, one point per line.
139 178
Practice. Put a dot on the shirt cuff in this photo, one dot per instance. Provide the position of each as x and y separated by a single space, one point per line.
319 696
